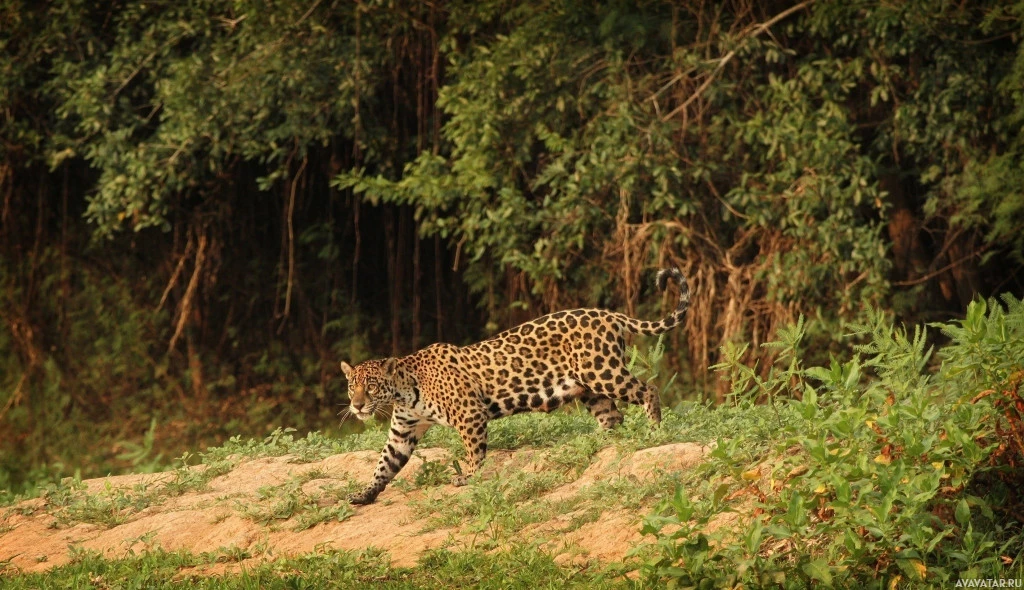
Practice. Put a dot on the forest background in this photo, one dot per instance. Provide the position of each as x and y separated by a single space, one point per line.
205 205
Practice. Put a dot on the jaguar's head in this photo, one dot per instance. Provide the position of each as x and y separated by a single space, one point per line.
371 386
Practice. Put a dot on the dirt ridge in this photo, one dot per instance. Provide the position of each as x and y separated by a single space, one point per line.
41 533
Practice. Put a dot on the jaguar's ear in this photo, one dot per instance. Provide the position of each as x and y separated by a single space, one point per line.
347 369
389 366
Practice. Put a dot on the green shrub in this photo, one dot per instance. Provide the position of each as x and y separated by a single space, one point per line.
872 479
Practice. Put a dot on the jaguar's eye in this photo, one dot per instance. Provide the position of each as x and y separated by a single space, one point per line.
371 388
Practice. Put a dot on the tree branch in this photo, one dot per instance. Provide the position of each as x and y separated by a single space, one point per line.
936 273
291 246
722 61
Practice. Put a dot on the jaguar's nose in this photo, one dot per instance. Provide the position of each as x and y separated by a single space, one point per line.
357 407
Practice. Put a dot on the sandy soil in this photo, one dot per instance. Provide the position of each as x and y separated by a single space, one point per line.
37 534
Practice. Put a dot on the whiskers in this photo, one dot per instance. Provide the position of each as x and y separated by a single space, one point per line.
377 409
345 413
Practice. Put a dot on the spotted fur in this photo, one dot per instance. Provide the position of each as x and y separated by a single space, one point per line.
534 367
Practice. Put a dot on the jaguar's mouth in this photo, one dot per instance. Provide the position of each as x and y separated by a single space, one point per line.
363 415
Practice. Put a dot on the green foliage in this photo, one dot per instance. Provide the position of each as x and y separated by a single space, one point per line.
493 506
136 116
747 384
187 479
216 81
313 447
558 147
95 363
94 392
985 361
871 480
537 429
648 365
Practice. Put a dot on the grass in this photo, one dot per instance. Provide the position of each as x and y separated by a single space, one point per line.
498 506
523 567
69 502
289 501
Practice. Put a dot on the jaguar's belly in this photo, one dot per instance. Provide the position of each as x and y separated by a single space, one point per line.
548 395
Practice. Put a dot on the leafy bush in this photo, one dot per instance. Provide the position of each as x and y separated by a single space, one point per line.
872 479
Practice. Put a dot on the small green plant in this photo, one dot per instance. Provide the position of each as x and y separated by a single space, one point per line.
146 539
7 568
747 383
985 360
574 455
110 507
62 493
645 365
190 479
232 554
79 554
634 493
285 501
314 515
433 473
313 447
495 507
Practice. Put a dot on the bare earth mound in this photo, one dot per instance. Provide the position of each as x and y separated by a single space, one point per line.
273 507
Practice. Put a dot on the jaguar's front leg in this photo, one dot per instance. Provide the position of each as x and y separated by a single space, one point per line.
405 433
474 437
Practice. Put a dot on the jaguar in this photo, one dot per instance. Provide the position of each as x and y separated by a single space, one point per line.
538 366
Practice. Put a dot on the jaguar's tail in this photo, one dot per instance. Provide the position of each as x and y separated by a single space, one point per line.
663 325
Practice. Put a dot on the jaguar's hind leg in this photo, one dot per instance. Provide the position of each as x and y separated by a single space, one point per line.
473 431
622 385
603 409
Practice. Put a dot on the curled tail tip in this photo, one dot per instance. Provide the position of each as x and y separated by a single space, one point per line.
684 288
670 273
